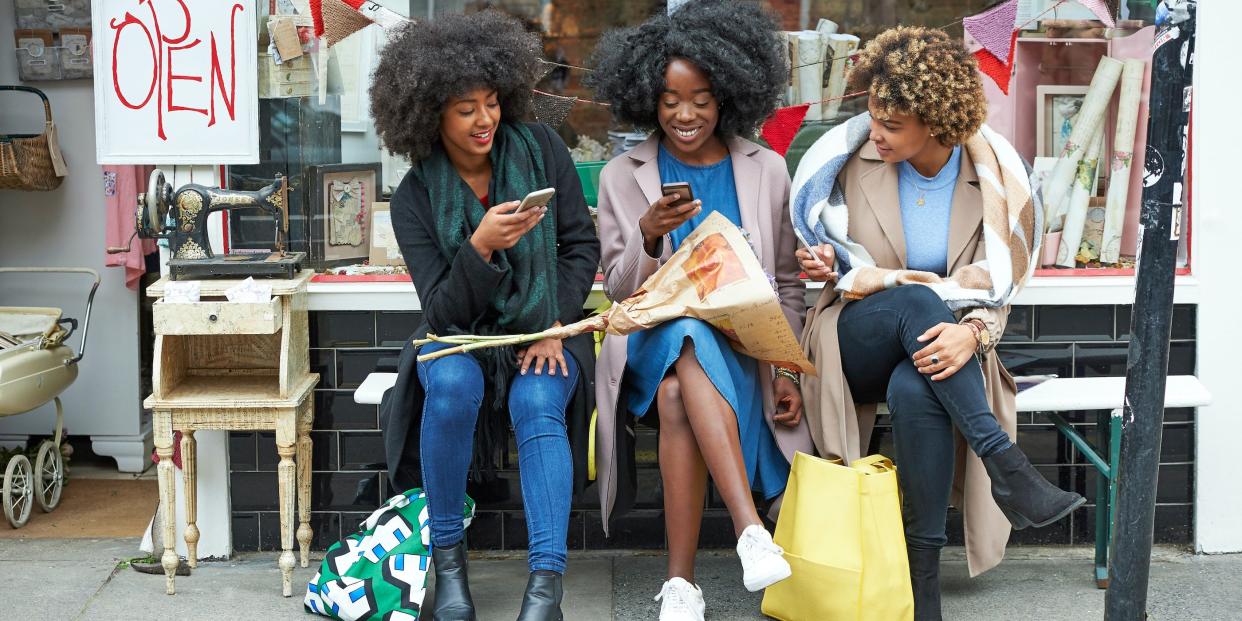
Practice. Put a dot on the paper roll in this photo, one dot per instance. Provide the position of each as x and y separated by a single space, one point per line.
1056 213
840 46
1090 117
1076 215
812 49
1123 156
791 47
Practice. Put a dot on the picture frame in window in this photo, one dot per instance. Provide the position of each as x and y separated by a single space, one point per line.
1055 108
341 197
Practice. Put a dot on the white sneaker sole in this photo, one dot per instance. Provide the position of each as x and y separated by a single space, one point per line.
770 576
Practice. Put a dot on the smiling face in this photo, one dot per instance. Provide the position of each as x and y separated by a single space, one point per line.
468 123
899 137
688 111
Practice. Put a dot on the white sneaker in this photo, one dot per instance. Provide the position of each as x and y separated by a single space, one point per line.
681 601
763 563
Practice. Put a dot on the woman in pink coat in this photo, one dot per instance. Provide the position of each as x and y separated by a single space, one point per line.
717 411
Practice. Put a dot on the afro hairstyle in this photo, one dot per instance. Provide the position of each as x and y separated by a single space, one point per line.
926 73
735 43
426 64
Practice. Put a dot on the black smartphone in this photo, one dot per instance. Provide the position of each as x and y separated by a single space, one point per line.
681 189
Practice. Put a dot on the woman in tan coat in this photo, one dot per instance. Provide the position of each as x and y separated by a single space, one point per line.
718 411
928 222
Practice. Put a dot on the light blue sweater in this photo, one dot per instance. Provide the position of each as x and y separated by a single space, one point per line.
926 226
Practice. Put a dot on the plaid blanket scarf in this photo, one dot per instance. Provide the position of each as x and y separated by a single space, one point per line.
1012 220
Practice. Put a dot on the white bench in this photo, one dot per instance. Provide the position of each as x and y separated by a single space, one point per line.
1106 395
372 389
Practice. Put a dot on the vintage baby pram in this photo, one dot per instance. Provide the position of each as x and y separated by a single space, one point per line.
35 367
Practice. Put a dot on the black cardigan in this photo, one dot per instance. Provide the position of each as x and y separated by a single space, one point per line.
454 294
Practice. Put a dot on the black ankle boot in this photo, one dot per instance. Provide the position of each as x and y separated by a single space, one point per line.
925 580
542 601
1024 495
453 601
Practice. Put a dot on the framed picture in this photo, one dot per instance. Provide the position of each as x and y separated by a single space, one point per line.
341 196
1055 109
384 248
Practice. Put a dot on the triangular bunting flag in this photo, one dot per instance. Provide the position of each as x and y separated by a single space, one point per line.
335 20
1100 9
780 128
552 110
993 68
993 27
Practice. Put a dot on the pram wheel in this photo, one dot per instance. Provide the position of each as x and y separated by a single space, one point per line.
18 490
49 475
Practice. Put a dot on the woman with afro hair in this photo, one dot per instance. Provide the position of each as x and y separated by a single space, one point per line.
703 78
451 95
897 202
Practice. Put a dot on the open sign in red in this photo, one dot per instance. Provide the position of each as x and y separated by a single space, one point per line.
175 82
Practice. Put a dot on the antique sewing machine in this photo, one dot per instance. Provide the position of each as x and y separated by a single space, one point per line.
181 218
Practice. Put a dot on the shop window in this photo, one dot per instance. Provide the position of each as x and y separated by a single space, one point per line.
300 129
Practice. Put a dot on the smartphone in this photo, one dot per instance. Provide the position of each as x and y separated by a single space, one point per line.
681 189
538 198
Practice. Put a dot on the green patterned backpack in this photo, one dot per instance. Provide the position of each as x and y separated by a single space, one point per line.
380 572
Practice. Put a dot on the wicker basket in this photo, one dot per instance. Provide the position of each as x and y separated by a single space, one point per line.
26 159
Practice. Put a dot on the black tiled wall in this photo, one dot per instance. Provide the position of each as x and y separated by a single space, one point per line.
348 476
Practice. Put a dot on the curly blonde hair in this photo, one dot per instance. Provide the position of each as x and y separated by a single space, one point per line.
923 72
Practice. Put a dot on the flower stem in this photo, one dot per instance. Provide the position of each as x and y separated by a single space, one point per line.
467 343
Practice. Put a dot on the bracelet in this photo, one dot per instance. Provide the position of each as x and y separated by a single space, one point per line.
790 375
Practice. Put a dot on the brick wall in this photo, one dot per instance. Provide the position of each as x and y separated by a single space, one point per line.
348 460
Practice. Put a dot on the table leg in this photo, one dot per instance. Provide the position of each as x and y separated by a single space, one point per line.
189 474
1103 517
163 436
304 480
286 437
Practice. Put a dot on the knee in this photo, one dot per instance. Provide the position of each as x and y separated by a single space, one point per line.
530 404
668 402
909 392
452 388
922 301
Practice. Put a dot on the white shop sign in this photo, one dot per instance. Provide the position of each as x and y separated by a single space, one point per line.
175 82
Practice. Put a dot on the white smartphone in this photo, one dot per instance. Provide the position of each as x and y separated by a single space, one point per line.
538 198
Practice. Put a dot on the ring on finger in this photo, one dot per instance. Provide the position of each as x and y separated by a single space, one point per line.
935 359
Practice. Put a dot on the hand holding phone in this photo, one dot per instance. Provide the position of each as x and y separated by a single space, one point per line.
674 208
504 224
681 189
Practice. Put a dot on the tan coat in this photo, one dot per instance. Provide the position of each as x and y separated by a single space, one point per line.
842 428
628 185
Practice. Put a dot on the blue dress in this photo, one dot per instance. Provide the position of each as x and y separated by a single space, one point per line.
652 352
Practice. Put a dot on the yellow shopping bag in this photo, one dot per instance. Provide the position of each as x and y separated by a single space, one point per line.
842 533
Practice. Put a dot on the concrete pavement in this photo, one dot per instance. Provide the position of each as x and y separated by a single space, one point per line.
86 579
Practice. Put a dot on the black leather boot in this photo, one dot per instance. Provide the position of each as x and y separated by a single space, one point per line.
453 601
925 581
1024 495
542 601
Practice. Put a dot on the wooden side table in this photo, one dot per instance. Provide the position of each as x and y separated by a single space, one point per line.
230 366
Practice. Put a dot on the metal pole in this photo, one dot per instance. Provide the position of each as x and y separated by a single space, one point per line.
1148 359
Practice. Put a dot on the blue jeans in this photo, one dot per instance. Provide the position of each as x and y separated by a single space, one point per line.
454 392
878 337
